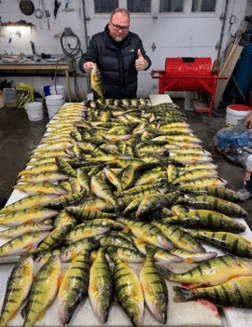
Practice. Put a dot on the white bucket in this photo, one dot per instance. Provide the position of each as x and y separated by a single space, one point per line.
34 111
248 169
236 112
60 90
188 98
54 103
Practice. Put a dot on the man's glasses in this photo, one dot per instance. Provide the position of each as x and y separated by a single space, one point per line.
122 28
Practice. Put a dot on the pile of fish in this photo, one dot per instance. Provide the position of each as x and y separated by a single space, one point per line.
117 181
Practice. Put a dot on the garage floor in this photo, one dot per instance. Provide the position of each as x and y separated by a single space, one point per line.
19 136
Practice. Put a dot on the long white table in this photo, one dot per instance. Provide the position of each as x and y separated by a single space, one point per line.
194 314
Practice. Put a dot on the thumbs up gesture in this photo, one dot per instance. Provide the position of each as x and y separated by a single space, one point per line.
140 63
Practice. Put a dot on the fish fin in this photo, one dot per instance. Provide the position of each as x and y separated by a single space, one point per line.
125 262
28 221
126 230
14 313
183 294
28 248
60 279
41 314
189 260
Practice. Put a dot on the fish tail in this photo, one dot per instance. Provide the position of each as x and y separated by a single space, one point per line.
184 294
166 272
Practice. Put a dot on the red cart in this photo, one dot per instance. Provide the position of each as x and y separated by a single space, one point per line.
191 75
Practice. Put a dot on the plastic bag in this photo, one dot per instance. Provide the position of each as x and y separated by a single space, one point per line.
234 143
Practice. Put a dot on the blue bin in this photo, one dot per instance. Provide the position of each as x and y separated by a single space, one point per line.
47 90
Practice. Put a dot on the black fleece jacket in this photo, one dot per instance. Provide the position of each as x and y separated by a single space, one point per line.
116 62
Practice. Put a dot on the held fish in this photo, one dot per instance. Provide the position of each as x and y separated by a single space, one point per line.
155 289
18 287
212 272
233 293
74 287
101 286
43 291
96 81
128 290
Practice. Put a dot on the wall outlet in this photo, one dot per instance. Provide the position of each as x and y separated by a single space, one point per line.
232 19
68 31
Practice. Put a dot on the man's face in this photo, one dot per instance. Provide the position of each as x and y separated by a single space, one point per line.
119 27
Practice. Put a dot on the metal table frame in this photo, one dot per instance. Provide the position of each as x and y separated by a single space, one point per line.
43 65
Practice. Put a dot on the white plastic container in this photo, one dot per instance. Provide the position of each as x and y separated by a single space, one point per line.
10 97
60 90
248 169
236 112
54 103
34 111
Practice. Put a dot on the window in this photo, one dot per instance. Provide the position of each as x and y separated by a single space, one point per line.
105 6
139 5
203 5
171 6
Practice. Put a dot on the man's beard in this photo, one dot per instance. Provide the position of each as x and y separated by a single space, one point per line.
119 38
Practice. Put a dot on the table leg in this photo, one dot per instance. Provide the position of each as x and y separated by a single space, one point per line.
68 85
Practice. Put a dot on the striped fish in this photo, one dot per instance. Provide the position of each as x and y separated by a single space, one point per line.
155 289
214 271
101 287
74 287
18 287
128 290
44 290
233 293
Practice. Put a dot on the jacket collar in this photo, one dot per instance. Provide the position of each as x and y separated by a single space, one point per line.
109 42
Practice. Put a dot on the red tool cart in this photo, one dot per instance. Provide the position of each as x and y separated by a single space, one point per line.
191 75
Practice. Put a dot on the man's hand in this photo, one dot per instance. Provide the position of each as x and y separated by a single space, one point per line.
88 67
140 63
248 122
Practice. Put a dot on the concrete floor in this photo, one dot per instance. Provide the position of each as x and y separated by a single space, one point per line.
19 136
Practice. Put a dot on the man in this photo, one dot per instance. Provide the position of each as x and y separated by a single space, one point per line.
248 122
246 192
119 55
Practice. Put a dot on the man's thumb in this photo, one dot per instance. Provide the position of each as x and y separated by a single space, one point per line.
139 53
